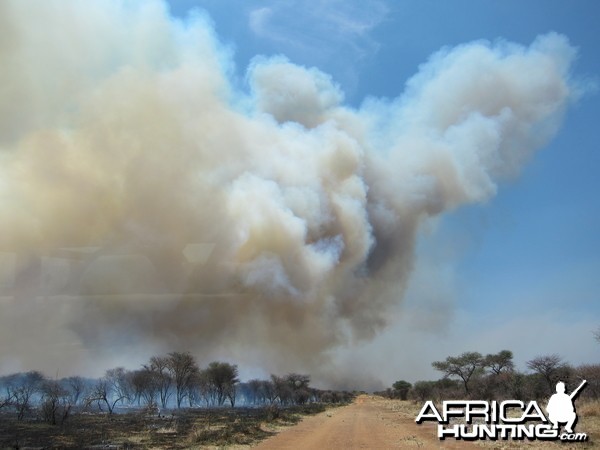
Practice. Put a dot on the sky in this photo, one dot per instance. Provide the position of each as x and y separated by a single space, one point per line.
298 186
520 272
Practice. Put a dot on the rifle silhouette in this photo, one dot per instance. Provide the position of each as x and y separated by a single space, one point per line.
576 391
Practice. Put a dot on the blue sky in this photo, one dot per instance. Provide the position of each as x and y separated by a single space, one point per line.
533 251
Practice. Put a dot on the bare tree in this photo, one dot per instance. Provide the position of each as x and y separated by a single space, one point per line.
198 389
283 390
550 367
146 386
111 389
21 388
591 373
121 383
255 391
183 369
6 396
299 386
269 390
5 401
160 366
597 334
56 402
101 393
76 387
463 367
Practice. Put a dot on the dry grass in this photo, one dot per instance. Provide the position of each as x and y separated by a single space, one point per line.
589 423
185 429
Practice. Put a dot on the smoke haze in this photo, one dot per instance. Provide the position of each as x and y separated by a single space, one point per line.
148 205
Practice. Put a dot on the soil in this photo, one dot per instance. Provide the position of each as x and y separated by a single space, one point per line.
368 423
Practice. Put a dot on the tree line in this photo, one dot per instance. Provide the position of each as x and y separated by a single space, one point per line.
494 377
174 380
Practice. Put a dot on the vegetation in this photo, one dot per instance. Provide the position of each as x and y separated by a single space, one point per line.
170 402
180 429
464 367
472 375
494 377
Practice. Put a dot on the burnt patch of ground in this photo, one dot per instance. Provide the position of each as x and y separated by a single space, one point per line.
138 430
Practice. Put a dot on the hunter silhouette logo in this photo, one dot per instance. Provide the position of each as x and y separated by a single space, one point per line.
509 419
561 408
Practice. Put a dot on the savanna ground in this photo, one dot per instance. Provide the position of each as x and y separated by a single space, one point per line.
183 429
369 422
589 422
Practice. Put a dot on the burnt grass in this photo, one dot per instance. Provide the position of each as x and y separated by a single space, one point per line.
181 429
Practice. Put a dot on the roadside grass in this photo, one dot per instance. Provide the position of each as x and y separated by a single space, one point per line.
587 411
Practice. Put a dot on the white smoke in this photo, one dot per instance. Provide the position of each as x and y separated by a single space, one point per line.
144 200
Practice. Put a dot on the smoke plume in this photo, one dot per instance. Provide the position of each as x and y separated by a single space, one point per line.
147 204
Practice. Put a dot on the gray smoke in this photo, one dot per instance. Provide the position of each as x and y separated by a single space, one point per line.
147 205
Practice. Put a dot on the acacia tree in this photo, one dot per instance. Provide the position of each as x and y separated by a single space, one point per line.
255 391
283 390
269 390
160 366
298 384
183 369
423 390
550 367
198 389
222 378
464 366
500 362
146 386
402 387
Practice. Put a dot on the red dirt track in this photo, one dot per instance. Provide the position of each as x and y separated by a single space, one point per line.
368 423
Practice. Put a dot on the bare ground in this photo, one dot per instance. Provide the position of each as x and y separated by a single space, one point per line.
368 423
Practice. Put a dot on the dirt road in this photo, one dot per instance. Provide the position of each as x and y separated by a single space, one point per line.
368 423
